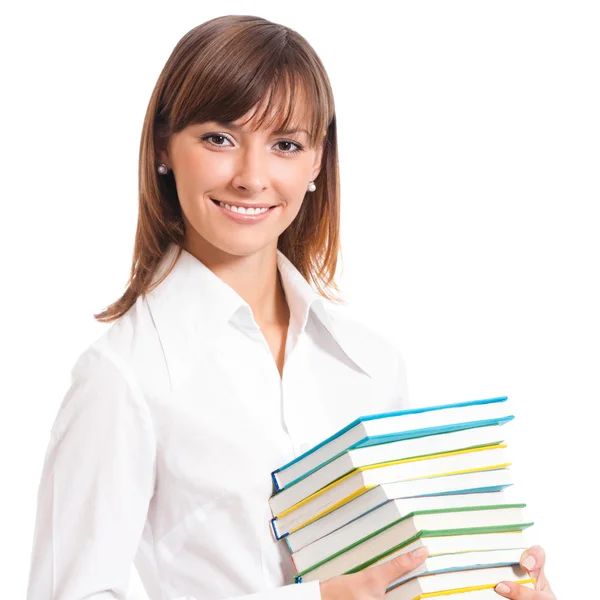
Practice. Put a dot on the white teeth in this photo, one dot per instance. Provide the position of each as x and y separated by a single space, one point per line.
244 211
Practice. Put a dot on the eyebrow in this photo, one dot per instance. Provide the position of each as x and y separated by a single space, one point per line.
232 125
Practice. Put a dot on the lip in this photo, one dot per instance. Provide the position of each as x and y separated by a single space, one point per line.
241 218
244 204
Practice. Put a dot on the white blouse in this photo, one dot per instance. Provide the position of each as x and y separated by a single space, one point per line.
162 450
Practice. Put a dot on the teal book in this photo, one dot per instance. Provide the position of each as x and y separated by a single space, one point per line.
390 427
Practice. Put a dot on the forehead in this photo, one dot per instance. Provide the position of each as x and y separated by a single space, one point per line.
278 112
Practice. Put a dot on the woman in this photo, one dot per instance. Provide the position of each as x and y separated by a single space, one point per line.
223 362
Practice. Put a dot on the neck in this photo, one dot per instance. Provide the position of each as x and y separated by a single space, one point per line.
254 277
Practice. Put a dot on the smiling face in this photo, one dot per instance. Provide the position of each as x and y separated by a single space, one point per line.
240 189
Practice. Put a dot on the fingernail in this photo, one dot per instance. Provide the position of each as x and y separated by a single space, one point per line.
502 588
419 552
529 563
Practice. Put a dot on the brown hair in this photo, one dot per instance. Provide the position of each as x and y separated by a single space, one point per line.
219 71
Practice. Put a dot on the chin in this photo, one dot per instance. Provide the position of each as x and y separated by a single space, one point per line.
243 247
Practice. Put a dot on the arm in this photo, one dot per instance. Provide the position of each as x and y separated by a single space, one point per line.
97 481
368 584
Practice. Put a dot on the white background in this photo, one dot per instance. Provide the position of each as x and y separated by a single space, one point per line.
469 147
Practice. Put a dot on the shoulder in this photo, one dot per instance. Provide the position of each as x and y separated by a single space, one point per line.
104 395
124 364
133 345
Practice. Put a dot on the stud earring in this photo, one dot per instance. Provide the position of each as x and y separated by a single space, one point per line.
311 186
162 169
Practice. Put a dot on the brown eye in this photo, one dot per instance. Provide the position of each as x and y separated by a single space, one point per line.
299 148
215 136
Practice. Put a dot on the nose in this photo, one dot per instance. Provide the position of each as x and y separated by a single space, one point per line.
251 174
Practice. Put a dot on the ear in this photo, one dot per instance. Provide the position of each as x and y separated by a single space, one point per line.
162 155
317 162
161 151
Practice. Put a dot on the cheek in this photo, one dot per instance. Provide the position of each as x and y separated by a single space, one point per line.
291 211
291 180
200 171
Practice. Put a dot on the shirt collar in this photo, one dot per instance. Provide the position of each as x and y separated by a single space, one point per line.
191 306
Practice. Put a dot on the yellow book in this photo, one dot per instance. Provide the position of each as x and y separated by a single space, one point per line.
476 593
364 478
385 454
451 585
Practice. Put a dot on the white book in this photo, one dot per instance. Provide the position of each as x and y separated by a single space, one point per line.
456 580
394 426
449 524
464 561
439 492
384 453
470 542
381 517
359 481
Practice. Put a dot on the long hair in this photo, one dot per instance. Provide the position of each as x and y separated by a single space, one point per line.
220 70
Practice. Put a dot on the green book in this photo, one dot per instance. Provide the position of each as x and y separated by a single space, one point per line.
416 529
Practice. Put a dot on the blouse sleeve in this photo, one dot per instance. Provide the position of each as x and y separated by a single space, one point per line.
295 591
97 481
96 484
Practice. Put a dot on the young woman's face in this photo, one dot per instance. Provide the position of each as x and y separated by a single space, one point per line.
260 175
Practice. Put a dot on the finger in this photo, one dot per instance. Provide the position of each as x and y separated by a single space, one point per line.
533 560
392 569
510 589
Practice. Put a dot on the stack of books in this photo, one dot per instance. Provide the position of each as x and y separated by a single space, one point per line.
392 482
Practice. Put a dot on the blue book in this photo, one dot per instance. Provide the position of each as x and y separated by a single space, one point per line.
390 427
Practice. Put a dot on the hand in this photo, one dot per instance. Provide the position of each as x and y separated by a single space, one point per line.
371 583
532 560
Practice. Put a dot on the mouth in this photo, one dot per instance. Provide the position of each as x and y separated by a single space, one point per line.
257 209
